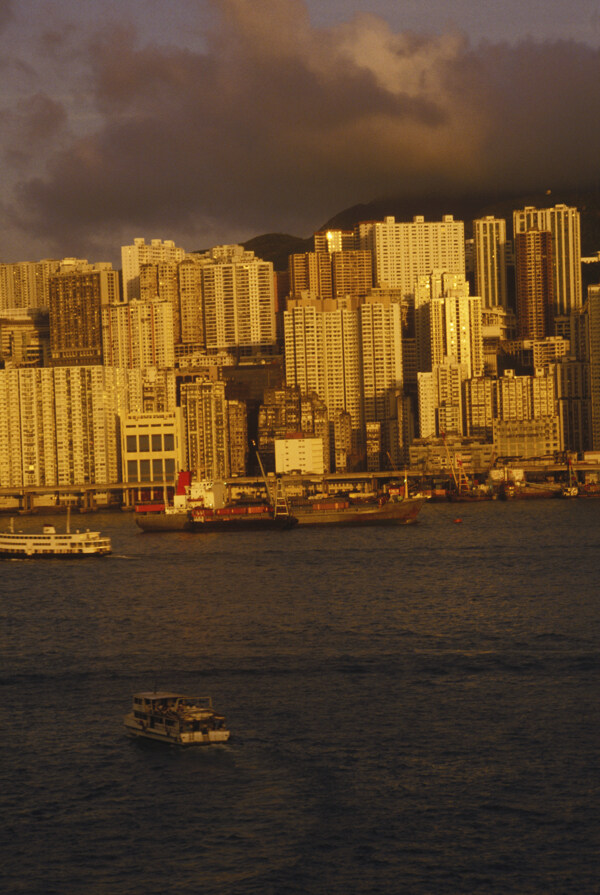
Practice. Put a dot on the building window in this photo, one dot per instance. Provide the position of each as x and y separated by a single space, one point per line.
157 470
156 444
144 443
169 467
169 441
131 444
132 471
144 470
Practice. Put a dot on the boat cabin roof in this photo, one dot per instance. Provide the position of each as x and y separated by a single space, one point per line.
171 697
159 694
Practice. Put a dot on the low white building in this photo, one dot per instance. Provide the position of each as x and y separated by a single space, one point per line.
303 455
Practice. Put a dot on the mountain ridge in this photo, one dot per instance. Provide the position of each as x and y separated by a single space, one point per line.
276 247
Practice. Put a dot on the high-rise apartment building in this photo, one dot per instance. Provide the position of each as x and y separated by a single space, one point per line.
215 432
24 337
382 373
572 379
480 408
448 323
238 293
440 399
75 313
161 281
403 252
331 274
190 303
60 426
27 427
592 313
564 224
535 284
322 355
310 272
490 261
133 257
334 241
352 273
25 284
526 397
139 334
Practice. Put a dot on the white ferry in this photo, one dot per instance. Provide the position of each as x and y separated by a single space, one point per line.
49 543
179 720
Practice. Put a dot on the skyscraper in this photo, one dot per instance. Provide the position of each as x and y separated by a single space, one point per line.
448 323
25 284
322 355
190 302
403 252
238 293
215 433
535 284
382 372
139 334
133 257
75 302
161 281
310 272
60 426
490 246
564 225
592 312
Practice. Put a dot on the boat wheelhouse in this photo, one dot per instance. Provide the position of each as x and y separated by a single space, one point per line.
176 719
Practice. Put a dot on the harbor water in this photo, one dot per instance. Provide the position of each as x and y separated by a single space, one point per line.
413 710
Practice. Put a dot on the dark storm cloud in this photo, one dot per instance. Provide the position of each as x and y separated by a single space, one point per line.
277 125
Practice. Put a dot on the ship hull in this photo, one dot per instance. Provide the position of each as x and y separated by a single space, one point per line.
186 522
208 738
242 523
403 513
163 521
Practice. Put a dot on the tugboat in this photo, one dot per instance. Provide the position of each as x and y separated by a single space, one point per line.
175 719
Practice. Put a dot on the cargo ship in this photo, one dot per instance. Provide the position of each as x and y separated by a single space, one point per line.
203 507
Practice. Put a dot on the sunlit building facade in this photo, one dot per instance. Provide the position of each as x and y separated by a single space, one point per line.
139 334
134 257
238 293
76 299
563 223
490 261
403 252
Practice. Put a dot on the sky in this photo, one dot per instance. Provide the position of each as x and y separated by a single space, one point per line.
212 121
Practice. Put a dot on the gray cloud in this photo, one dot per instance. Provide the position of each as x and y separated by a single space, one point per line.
6 13
276 125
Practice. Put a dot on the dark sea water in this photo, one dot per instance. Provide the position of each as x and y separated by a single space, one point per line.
413 710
